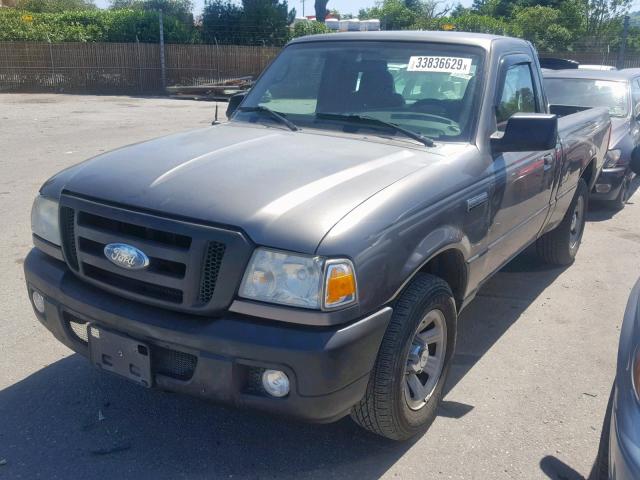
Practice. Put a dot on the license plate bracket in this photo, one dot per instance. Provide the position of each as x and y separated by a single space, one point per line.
120 355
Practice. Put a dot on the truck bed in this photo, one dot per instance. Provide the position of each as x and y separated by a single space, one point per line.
585 136
564 110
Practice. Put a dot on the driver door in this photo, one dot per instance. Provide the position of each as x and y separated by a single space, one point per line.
523 180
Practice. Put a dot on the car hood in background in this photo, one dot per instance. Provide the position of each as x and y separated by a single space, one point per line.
285 189
619 128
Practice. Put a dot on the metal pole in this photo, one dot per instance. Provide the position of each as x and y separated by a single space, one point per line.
302 8
53 69
623 43
163 71
139 64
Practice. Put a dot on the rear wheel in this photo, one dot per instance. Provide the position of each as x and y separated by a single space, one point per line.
560 245
406 383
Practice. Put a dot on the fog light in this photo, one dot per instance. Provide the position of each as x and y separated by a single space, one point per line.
275 382
603 188
38 301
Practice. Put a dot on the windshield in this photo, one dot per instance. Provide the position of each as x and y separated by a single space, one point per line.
427 88
581 92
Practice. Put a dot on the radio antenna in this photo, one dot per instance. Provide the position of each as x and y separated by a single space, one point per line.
215 118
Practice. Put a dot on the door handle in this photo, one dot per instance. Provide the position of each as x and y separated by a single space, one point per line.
548 161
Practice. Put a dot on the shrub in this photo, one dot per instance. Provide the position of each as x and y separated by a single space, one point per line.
92 26
302 29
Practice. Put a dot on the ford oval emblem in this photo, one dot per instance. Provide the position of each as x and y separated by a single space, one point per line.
126 256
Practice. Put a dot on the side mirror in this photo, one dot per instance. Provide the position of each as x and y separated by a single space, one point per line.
527 132
234 102
634 164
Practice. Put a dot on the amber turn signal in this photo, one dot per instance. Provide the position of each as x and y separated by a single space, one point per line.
340 284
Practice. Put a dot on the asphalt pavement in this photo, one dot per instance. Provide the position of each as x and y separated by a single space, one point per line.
526 396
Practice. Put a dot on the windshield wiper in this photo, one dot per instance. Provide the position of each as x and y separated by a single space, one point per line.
278 116
351 117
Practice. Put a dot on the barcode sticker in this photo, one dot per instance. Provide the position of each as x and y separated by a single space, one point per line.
440 64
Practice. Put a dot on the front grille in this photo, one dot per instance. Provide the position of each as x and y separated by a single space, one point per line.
186 260
131 230
141 288
67 229
210 270
172 363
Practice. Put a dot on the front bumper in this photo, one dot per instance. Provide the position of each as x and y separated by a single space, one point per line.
609 183
328 367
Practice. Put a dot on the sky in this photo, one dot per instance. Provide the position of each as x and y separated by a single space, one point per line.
343 6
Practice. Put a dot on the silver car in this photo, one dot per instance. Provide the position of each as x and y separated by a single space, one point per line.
619 453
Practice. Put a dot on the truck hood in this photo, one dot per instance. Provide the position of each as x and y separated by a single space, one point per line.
284 189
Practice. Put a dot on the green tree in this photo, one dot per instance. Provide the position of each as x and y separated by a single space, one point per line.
181 9
393 14
494 8
266 22
221 22
541 26
603 16
459 10
255 22
433 8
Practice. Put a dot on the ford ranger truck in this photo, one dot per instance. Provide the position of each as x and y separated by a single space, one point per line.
311 256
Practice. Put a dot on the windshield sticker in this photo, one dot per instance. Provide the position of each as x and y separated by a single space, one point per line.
440 64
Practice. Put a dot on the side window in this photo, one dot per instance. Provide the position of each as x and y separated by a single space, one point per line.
518 94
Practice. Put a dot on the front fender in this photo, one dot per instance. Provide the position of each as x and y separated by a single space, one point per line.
394 233
389 256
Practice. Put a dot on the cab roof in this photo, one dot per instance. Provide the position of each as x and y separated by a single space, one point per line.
481 40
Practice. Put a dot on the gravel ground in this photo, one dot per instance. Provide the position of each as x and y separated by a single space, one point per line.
526 398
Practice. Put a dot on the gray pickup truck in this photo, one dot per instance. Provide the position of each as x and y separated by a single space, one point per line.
310 257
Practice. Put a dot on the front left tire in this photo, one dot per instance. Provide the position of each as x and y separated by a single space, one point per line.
406 383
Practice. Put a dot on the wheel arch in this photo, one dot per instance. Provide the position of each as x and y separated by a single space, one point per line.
447 262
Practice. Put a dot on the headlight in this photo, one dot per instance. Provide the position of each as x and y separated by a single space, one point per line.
44 219
298 280
635 373
613 156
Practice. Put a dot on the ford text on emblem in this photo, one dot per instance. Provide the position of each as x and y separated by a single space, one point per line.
126 256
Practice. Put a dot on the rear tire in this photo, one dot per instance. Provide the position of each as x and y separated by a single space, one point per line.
560 245
391 407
